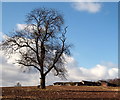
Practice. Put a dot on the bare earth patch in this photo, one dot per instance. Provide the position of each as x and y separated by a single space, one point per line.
61 93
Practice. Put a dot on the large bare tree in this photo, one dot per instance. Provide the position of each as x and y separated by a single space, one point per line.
41 44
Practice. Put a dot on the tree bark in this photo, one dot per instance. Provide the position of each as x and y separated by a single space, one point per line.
42 82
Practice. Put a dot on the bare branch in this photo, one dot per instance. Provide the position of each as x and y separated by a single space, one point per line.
30 65
42 42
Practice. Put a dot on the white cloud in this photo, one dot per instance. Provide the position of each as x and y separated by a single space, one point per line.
29 27
2 36
20 27
100 71
91 7
113 72
11 74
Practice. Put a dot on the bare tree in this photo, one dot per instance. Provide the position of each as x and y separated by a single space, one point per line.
41 44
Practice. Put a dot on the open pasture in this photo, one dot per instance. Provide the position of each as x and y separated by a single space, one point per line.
61 93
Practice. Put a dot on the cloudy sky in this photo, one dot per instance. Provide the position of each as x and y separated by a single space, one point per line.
92 29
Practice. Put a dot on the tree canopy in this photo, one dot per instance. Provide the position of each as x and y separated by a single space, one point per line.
41 44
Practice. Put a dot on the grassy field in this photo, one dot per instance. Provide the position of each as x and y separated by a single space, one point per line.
61 93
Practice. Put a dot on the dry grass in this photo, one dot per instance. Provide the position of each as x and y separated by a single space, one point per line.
61 93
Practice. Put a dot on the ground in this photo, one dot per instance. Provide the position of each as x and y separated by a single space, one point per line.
61 93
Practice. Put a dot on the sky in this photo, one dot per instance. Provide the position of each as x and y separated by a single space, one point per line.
92 30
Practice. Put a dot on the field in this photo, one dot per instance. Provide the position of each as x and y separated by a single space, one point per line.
61 93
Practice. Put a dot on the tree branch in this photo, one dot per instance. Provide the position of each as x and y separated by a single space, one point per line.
56 58
30 65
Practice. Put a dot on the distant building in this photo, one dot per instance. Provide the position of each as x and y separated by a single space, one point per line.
103 83
83 83
67 83
90 83
59 83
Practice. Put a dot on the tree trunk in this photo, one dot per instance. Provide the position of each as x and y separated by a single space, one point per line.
42 82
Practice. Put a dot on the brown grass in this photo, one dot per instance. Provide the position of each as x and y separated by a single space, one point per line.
61 93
